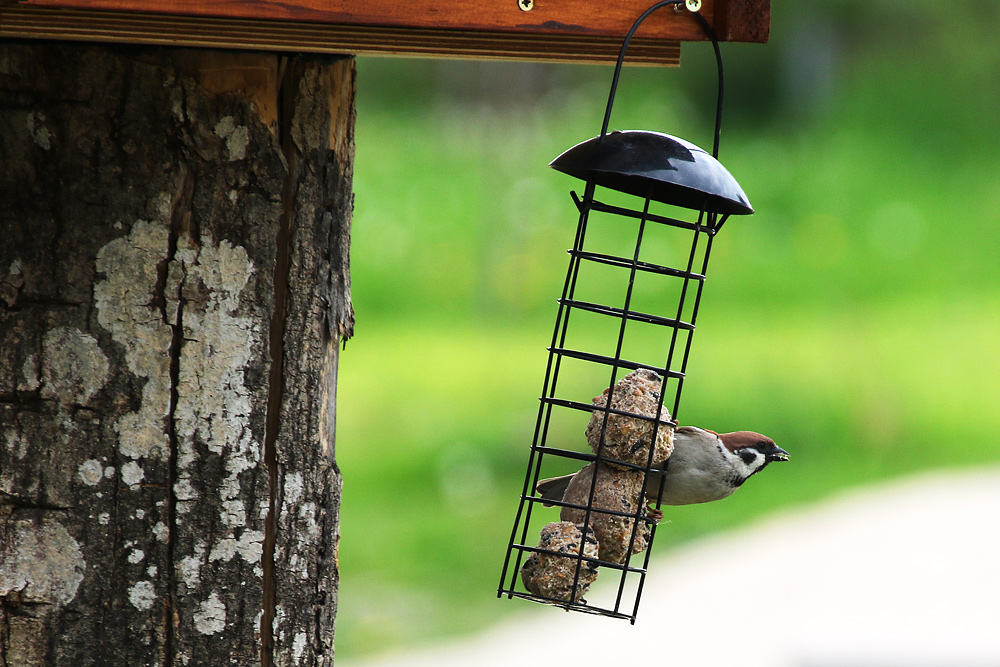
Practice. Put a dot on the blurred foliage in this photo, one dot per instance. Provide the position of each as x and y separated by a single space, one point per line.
853 318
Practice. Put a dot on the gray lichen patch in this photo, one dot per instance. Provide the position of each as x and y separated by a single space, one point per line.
237 138
214 405
41 562
189 568
132 474
41 135
11 283
73 366
30 374
125 299
90 472
194 288
142 595
161 532
201 294
211 615
213 401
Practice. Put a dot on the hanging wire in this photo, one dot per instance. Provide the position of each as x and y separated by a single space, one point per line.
621 59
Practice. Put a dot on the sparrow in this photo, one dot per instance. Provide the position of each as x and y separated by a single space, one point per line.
704 466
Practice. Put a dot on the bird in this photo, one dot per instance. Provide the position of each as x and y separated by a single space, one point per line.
704 466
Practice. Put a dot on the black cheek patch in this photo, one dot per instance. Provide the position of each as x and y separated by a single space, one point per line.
748 455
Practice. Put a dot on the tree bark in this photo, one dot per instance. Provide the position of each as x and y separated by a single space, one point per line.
173 288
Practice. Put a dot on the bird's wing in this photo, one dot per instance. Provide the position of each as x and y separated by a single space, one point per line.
553 488
652 489
692 431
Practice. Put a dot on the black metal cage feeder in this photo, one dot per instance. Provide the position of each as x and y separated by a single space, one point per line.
633 300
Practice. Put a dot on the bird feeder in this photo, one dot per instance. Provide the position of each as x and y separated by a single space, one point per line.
651 206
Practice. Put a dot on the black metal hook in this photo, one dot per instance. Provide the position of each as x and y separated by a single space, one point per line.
621 59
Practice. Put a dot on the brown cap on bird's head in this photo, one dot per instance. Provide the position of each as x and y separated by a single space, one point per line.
750 439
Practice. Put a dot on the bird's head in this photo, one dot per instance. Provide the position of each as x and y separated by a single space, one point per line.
754 449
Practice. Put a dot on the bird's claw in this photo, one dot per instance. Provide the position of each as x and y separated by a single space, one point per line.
653 516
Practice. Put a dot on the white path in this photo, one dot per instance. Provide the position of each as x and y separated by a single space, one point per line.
905 575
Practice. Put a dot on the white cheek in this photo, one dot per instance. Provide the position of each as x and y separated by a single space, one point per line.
750 468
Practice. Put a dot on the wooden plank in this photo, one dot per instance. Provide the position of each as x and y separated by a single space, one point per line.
20 21
580 31
742 20
582 17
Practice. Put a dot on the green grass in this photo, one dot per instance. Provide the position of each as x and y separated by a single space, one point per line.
853 318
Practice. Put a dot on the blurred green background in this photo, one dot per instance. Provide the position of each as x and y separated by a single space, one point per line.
854 318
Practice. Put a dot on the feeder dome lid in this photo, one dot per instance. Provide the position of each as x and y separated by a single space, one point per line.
660 166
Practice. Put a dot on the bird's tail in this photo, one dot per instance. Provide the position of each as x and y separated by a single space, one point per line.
553 488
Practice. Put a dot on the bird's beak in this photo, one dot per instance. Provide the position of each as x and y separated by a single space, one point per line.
777 454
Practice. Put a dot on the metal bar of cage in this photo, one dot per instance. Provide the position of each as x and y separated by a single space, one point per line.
615 364
632 315
545 409
663 220
612 260
609 361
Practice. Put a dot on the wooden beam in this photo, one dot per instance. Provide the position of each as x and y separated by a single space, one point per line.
742 21
579 31
18 21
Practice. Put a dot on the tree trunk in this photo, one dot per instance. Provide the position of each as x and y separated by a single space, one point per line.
173 288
